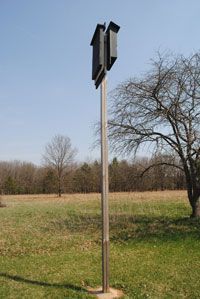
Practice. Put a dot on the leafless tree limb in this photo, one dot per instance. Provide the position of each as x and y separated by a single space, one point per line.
162 109
58 155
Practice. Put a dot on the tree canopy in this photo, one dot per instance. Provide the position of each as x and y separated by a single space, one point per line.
58 155
162 109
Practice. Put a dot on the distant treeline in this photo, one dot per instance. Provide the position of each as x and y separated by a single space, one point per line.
26 178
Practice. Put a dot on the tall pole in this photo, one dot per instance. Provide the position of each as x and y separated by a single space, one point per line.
104 55
104 192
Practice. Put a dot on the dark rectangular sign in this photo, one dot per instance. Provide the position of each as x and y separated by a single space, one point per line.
111 44
104 50
98 51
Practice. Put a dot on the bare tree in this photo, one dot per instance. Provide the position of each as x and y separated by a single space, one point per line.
163 109
59 155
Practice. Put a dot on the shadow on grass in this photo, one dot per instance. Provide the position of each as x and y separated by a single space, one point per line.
124 227
41 283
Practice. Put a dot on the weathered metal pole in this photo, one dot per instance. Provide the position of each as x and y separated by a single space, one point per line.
104 55
104 192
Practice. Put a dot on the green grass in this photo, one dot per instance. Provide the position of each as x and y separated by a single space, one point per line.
51 248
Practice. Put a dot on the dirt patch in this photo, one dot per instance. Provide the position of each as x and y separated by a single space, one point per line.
2 205
113 293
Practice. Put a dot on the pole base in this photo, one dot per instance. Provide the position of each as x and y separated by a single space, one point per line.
113 293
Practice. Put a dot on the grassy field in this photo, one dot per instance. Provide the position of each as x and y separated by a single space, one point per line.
51 248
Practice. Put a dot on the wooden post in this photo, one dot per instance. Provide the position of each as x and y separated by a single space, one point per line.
104 191
104 55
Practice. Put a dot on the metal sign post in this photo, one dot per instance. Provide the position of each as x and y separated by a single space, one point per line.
104 55
104 193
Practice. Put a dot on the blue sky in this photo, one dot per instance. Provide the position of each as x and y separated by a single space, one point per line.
45 64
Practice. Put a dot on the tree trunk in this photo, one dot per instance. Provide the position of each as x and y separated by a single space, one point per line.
193 195
59 186
196 208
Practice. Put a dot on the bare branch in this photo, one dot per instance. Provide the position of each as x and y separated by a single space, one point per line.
160 164
161 109
58 155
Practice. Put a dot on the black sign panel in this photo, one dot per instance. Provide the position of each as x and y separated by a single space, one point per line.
98 51
104 50
111 44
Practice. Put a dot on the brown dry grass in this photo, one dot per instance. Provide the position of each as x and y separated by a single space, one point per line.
153 196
